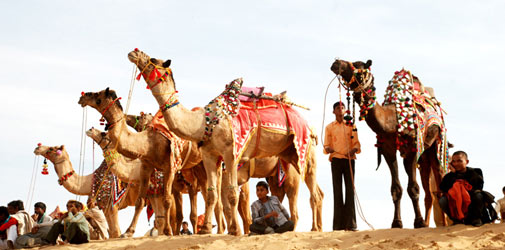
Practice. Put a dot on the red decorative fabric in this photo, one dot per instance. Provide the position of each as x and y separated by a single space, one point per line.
149 210
275 117
459 199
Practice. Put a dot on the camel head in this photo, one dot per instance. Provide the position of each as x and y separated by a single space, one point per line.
101 101
54 154
101 138
356 76
139 122
154 70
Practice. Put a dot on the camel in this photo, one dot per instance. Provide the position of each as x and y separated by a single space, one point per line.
83 185
382 119
130 171
152 147
216 141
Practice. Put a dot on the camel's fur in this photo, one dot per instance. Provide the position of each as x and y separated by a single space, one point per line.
382 120
190 125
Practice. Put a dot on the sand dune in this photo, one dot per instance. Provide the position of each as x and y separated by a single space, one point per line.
453 237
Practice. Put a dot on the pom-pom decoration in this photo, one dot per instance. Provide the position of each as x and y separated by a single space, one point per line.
44 168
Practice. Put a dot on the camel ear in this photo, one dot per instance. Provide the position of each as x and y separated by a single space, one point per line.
62 147
167 63
368 64
107 91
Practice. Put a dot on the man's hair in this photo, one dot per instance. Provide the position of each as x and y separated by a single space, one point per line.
262 184
4 211
40 205
338 103
18 204
78 205
463 153
184 222
503 189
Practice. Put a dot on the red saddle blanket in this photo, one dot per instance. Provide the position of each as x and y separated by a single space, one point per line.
274 117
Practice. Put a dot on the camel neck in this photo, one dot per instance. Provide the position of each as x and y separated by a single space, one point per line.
184 123
76 184
377 119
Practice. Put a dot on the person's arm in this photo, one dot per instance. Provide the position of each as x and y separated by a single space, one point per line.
327 141
355 145
283 209
255 207
9 223
447 182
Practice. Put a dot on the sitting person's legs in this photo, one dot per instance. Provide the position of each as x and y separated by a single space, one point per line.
257 228
75 235
475 209
54 232
288 226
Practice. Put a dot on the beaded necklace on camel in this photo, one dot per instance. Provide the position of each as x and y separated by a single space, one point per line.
226 104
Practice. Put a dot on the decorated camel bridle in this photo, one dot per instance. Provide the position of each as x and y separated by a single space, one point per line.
364 80
46 155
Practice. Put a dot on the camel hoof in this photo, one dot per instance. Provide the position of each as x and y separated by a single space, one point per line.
419 223
204 231
397 224
126 235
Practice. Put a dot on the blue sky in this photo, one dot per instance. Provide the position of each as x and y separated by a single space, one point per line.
52 50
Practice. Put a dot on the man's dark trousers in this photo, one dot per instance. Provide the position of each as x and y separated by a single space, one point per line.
344 214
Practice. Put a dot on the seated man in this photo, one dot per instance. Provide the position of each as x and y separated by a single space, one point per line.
25 221
97 221
43 224
268 214
463 200
500 207
185 229
8 229
73 227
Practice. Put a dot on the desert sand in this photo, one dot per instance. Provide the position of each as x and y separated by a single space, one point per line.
490 236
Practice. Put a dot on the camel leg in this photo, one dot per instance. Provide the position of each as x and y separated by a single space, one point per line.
243 207
113 222
209 162
193 192
230 194
425 171
291 186
316 195
178 212
139 205
168 181
410 165
389 153
218 210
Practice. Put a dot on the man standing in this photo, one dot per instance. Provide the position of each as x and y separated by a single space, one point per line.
341 142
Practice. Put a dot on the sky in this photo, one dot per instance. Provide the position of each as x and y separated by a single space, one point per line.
51 51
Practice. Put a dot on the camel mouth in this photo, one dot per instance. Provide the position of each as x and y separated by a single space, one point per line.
89 132
81 102
133 57
40 150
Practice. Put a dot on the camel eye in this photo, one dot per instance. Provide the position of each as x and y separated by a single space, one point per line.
98 101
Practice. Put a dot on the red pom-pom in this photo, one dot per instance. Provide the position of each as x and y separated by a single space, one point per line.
82 93
39 144
136 49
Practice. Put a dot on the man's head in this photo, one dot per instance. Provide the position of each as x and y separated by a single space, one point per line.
4 213
503 190
459 161
184 225
91 203
40 208
15 206
261 189
72 206
339 111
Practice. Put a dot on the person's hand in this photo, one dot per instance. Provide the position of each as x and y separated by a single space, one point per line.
353 151
35 230
35 217
329 150
271 214
451 168
63 216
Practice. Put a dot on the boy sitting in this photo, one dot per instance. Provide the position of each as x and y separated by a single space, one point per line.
268 214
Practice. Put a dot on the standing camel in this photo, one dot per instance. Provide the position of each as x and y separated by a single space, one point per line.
83 185
393 135
154 148
212 128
